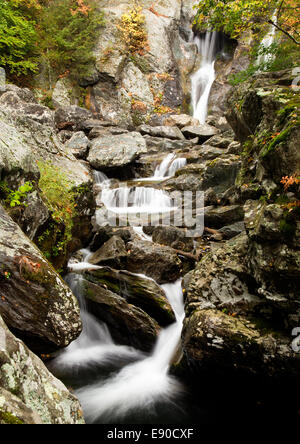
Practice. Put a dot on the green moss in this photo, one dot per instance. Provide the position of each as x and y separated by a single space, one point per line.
60 196
287 228
280 138
9 418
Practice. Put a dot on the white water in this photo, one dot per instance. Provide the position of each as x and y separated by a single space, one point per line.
267 41
142 384
133 200
167 168
95 344
139 231
101 179
144 380
204 78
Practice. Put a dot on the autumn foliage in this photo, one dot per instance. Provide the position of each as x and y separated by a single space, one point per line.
57 33
237 16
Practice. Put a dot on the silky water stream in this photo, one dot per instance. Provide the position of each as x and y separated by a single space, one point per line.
117 383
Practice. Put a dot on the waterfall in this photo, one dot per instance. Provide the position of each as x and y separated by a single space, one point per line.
116 381
95 344
101 179
169 166
267 41
142 384
131 200
166 169
204 78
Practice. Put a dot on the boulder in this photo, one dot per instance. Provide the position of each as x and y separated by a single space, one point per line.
34 301
105 233
16 155
70 117
220 216
78 144
218 174
112 253
159 262
33 111
128 324
111 152
62 93
207 152
167 132
34 215
25 94
204 132
241 309
137 290
232 230
159 144
181 121
213 338
222 280
29 393
220 141
173 237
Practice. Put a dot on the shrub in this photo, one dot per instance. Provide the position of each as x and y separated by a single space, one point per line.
18 52
68 30
15 198
132 27
59 195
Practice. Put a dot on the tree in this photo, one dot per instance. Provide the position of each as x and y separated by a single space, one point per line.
18 37
67 32
236 16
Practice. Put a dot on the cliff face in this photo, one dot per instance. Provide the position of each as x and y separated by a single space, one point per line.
131 87
243 298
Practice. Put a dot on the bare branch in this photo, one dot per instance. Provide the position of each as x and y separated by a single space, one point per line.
284 32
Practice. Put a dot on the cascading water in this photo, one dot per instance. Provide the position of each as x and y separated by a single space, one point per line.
166 169
142 384
116 382
95 344
204 78
136 199
169 166
267 42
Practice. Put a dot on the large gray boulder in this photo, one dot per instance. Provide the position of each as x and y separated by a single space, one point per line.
112 253
34 301
111 152
168 132
159 262
29 393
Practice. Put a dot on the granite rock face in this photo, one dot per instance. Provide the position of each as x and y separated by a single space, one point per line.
29 393
35 302
243 298
116 151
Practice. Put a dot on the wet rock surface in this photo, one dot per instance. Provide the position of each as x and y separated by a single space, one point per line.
29 393
242 299
137 290
35 302
128 324
160 263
